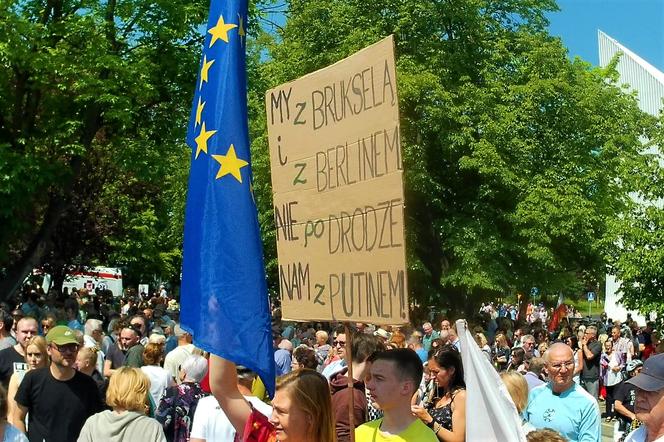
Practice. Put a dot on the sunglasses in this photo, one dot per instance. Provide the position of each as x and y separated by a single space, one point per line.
339 343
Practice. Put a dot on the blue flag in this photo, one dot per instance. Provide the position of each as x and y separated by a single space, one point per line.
225 301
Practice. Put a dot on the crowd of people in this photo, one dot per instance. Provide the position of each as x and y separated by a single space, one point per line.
91 367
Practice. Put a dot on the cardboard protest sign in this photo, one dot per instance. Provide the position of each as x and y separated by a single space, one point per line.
337 179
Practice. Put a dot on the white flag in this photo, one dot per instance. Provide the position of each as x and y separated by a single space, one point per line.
491 415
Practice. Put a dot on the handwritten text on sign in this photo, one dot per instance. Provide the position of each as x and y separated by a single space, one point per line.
338 191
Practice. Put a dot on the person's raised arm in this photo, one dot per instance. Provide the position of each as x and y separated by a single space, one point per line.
223 383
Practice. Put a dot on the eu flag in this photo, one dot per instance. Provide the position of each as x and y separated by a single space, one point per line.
224 293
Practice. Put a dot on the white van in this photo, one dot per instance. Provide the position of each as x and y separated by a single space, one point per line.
93 278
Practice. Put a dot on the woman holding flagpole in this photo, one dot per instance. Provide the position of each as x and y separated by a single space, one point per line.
302 408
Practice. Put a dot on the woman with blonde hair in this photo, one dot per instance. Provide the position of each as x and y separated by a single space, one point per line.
302 407
127 395
36 356
517 387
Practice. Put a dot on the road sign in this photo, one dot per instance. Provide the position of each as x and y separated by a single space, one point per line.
591 296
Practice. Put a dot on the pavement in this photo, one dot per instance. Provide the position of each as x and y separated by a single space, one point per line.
607 427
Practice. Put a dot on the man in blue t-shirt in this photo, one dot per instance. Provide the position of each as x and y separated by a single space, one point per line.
561 404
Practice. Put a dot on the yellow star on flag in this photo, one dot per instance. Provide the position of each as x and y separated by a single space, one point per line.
202 139
199 111
241 32
204 70
230 164
220 30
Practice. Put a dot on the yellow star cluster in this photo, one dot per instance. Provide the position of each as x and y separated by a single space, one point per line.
229 164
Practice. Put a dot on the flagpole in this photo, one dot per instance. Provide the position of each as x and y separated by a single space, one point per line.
351 402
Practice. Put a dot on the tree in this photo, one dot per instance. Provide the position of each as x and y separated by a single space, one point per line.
515 157
636 247
95 96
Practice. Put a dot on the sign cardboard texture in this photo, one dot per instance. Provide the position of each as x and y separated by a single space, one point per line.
337 181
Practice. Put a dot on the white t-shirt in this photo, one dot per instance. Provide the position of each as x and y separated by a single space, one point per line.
159 380
640 434
175 358
210 422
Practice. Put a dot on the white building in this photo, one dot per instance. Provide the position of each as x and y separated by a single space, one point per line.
648 83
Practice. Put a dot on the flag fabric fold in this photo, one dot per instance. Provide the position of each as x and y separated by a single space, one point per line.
224 297
491 415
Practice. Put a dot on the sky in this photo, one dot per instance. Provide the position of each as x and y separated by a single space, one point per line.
636 24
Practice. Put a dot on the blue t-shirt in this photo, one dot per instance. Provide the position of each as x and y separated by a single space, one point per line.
574 413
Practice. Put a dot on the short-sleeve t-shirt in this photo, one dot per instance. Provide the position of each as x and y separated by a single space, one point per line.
11 362
57 409
417 431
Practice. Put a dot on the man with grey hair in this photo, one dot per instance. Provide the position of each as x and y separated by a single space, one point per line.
210 421
529 346
94 333
428 335
561 404
591 350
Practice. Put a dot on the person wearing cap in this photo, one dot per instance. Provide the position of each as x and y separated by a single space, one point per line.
649 405
57 399
625 398
179 354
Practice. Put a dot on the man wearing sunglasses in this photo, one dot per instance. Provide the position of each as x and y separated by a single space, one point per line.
57 399
338 347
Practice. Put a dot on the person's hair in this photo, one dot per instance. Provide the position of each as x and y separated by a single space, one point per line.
6 319
593 329
519 354
128 390
195 367
322 333
41 344
310 391
408 365
449 357
517 387
545 435
50 319
536 365
525 338
156 338
501 340
364 345
306 357
398 340
152 354
575 342
481 339
91 325
89 353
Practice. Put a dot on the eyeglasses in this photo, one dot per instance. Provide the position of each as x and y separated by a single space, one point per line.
67 348
559 365
339 343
